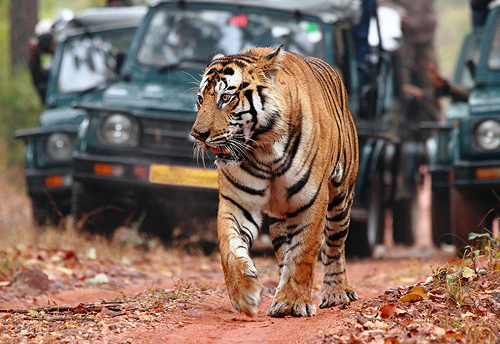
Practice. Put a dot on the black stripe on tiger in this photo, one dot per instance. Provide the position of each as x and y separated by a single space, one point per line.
269 125
333 274
330 259
305 206
273 220
292 190
341 224
287 238
340 216
244 232
254 170
290 153
249 95
336 200
260 92
242 187
243 210
337 236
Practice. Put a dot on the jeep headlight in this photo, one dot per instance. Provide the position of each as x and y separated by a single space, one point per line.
59 146
487 134
117 129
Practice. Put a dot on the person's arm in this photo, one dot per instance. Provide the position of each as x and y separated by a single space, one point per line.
456 93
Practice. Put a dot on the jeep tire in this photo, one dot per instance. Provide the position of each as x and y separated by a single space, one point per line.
404 220
92 212
469 213
440 216
364 236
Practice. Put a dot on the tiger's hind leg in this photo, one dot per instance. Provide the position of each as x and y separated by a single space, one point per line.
296 266
336 289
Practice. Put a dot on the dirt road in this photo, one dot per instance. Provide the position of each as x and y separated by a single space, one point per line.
169 297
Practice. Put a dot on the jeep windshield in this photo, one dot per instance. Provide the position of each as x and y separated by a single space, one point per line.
472 50
89 61
176 38
493 59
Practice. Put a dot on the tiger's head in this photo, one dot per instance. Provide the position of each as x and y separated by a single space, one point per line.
239 104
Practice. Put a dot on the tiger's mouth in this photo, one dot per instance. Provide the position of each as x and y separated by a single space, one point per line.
218 151
225 155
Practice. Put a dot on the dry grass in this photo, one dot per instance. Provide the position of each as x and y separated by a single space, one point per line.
17 230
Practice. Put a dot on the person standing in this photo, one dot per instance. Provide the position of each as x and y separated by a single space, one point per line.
419 21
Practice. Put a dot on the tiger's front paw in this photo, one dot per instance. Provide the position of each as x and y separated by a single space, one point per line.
337 296
244 286
280 309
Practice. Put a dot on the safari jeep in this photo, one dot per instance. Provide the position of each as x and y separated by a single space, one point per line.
465 152
134 159
89 49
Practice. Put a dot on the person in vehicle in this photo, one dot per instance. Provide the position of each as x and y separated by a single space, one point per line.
42 44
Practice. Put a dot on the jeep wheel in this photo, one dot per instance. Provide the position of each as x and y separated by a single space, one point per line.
404 220
159 223
91 211
469 213
440 216
44 210
364 236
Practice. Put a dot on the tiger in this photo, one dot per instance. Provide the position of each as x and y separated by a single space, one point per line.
285 145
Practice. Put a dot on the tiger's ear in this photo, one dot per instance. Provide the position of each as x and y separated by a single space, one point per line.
214 55
271 63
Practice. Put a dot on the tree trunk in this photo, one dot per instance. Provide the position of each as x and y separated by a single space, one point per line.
23 18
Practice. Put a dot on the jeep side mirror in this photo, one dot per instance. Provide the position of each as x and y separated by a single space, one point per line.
472 68
120 58
368 101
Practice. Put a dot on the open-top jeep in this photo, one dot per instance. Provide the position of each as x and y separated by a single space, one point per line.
464 155
134 158
89 49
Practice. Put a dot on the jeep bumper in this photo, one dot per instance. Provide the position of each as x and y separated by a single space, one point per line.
136 182
477 174
54 183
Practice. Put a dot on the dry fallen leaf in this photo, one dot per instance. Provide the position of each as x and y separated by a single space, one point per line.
387 311
469 274
417 293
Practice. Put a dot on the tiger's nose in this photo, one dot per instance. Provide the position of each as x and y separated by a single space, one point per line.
200 135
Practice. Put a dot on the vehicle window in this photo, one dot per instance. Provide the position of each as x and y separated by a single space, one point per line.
493 60
466 79
89 61
175 36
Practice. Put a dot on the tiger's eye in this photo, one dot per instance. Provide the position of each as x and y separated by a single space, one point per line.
200 100
225 97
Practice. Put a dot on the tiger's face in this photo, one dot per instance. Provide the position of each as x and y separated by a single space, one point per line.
236 111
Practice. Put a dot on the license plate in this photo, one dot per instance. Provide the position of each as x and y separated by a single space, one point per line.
183 176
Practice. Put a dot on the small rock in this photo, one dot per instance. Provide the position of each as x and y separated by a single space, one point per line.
33 278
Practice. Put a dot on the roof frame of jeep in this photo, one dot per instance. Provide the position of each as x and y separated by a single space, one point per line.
329 11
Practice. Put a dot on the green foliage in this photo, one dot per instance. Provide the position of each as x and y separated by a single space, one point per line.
47 9
19 102
19 108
